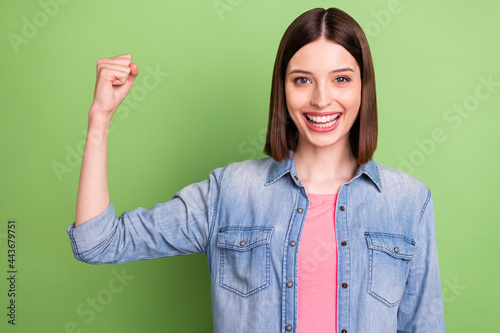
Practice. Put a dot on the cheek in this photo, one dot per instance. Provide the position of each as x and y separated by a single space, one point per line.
352 96
351 99
352 105
295 99
290 97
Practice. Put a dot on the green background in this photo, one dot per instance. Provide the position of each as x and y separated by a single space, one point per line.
210 108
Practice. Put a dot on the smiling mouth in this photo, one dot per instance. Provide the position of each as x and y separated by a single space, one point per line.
323 121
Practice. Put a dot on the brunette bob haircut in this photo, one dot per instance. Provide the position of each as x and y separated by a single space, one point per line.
337 26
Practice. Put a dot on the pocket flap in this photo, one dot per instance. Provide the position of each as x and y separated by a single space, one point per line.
243 238
397 246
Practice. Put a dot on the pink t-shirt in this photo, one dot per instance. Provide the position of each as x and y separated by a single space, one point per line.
317 279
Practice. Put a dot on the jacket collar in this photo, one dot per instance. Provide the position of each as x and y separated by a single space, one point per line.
278 170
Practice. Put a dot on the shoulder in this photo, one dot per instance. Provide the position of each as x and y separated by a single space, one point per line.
248 170
401 184
251 165
244 171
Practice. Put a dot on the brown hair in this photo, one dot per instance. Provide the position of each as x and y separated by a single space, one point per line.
337 26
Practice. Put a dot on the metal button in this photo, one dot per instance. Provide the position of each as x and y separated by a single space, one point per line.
288 328
342 208
292 243
295 177
396 250
300 210
243 243
344 285
289 284
344 243
343 331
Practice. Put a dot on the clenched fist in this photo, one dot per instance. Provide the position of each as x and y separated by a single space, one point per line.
115 77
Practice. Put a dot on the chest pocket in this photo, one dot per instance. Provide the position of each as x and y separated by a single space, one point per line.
389 264
244 258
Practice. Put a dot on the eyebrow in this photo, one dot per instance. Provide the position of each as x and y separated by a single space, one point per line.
345 69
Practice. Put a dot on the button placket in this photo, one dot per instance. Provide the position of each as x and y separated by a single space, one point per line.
291 248
343 257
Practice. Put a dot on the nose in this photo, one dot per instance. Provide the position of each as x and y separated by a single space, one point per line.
321 97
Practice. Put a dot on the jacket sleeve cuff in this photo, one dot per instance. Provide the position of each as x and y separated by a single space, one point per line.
92 232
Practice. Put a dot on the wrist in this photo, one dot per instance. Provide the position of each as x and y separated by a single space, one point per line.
99 118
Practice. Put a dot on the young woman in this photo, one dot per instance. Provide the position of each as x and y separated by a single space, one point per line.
315 238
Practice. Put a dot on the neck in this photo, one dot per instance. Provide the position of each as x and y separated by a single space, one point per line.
323 164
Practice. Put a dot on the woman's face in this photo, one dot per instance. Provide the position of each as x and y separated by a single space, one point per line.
323 93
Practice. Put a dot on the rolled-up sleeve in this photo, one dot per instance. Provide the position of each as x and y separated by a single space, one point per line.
421 308
180 226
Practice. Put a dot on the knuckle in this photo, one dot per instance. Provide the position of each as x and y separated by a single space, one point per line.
104 72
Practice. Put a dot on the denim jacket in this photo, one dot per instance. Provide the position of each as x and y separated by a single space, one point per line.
247 218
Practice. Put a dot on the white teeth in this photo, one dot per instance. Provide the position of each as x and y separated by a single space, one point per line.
323 121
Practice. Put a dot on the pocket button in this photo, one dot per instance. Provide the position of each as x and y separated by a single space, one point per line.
396 249
243 243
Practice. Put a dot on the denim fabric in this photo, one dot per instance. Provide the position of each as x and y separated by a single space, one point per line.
244 218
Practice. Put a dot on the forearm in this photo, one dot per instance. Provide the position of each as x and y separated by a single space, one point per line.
93 194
